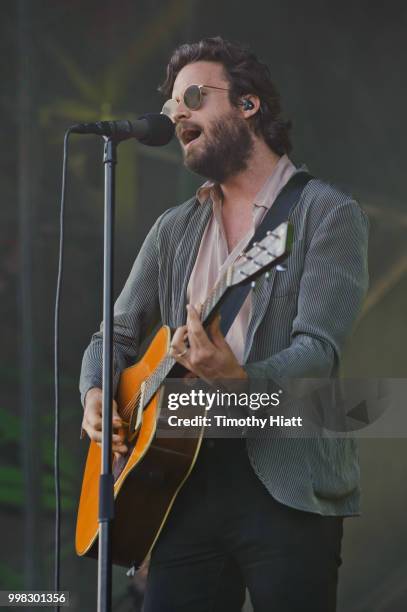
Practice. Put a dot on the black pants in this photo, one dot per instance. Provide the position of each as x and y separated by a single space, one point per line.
226 532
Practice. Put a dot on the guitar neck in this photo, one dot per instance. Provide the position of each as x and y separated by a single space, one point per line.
209 307
260 257
212 302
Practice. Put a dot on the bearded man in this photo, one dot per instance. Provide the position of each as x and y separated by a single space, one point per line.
260 514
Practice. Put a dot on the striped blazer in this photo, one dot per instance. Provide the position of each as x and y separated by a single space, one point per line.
300 322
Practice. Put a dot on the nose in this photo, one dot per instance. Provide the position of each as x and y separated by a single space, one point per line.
181 112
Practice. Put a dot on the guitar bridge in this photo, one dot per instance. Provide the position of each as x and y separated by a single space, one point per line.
137 415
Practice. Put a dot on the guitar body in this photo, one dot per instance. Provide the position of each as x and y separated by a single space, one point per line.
147 480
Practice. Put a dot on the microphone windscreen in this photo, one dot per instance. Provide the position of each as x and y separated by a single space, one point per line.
160 129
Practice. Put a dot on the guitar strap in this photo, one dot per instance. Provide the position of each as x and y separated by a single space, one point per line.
277 214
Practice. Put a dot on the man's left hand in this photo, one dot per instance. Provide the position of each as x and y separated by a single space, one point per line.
208 356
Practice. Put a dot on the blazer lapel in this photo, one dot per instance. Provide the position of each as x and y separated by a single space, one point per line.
185 257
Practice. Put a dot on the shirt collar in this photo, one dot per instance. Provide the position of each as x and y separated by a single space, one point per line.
209 189
281 173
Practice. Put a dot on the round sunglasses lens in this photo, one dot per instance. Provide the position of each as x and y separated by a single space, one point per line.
192 97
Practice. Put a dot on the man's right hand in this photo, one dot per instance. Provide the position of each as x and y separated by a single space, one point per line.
92 421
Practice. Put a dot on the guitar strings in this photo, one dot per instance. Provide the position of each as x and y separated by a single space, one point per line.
212 299
208 305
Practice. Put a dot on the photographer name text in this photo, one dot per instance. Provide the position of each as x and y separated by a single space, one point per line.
223 421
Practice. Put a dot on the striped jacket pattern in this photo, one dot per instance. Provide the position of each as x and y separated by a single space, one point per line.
300 321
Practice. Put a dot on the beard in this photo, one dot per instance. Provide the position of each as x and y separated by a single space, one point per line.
226 152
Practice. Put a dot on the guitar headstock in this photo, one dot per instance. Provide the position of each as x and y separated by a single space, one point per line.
262 256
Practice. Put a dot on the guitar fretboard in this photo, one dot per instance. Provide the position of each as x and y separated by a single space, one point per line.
261 256
156 379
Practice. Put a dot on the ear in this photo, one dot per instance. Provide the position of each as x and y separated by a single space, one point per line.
249 105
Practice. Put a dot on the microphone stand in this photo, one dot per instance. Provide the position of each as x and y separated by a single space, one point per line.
106 484
154 130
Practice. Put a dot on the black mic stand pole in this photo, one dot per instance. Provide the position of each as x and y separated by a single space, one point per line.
162 131
106 487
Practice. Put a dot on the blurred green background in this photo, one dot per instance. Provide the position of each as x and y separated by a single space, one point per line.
340 67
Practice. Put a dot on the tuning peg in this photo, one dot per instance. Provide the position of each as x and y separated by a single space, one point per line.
281 268
253 285
267 276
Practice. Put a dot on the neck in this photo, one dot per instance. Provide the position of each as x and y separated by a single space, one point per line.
243 187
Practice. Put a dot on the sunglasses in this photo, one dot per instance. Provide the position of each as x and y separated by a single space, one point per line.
192 98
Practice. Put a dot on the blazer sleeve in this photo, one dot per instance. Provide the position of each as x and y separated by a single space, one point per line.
332 288
136 311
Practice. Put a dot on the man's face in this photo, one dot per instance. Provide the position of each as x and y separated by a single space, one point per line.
215 139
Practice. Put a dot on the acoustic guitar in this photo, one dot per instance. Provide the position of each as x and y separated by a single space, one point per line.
149 477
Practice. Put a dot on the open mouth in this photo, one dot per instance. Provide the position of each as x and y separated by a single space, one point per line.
190 135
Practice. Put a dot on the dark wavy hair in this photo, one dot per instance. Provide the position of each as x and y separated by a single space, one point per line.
246 75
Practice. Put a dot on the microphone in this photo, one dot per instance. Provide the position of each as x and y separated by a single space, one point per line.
153 129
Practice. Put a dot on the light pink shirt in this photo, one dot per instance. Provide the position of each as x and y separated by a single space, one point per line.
213 257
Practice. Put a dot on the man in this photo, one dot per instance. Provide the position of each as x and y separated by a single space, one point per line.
266 514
